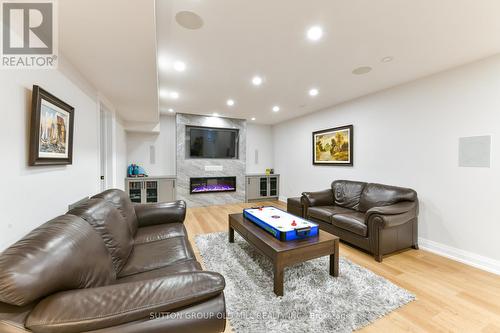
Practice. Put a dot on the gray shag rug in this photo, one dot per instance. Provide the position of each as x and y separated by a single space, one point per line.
314 301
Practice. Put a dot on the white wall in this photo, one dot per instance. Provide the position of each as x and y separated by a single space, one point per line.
138 148
32 195
408 136
259 138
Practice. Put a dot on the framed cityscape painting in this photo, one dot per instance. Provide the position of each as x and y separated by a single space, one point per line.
333 146
51 131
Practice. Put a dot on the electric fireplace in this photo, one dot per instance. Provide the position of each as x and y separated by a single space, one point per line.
212 184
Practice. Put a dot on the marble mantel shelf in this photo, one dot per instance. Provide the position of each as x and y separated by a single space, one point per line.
153 177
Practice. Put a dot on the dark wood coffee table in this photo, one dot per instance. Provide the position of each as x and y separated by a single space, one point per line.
284 254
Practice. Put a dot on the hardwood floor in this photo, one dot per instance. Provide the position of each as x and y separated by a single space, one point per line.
451 297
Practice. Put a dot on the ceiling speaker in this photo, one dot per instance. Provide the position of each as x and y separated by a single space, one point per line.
189 20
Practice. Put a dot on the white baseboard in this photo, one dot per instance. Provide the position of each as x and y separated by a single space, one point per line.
468 258
282 198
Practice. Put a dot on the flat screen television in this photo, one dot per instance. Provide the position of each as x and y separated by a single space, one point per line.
210 142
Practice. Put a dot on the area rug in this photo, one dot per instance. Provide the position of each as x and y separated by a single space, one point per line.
314 301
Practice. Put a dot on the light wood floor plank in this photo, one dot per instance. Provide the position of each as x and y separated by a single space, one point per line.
451 296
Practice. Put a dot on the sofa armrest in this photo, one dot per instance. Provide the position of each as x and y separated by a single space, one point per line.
96 308
160 213
392 215
398 208
319 198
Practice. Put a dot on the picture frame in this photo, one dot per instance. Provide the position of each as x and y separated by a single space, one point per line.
51 130
333 146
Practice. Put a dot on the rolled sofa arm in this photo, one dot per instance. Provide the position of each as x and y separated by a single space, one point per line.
160 213
398 208
392 215
319 198
96 308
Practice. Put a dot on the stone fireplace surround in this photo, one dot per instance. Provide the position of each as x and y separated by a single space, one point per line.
187 168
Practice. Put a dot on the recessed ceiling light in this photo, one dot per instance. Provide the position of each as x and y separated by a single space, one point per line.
256 80
189 20
315 33
253 118
170 110
169 94
230 102
179 66
165 63
362 70
387 59
313 92
276 108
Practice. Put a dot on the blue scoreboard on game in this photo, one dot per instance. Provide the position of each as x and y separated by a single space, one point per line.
282 225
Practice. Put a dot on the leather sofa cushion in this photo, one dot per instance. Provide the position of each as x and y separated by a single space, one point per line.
206 316
111 225
182 267
324 213
149 256
158 232
376 195
62 254
353 222
95 308
347 193
120 200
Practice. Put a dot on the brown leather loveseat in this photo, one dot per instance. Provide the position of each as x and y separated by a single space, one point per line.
109 266
378 218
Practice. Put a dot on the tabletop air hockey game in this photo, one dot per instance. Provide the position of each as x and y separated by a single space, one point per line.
282 225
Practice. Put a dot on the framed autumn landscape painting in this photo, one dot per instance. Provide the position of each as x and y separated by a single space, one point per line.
333 146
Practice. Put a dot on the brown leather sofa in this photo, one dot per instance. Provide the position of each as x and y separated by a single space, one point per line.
378 218
294 206
109 266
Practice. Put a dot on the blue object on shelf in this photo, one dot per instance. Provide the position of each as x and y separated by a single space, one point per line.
141 171
135 170
130 170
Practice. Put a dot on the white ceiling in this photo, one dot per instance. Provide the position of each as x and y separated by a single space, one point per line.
113 44
241 38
